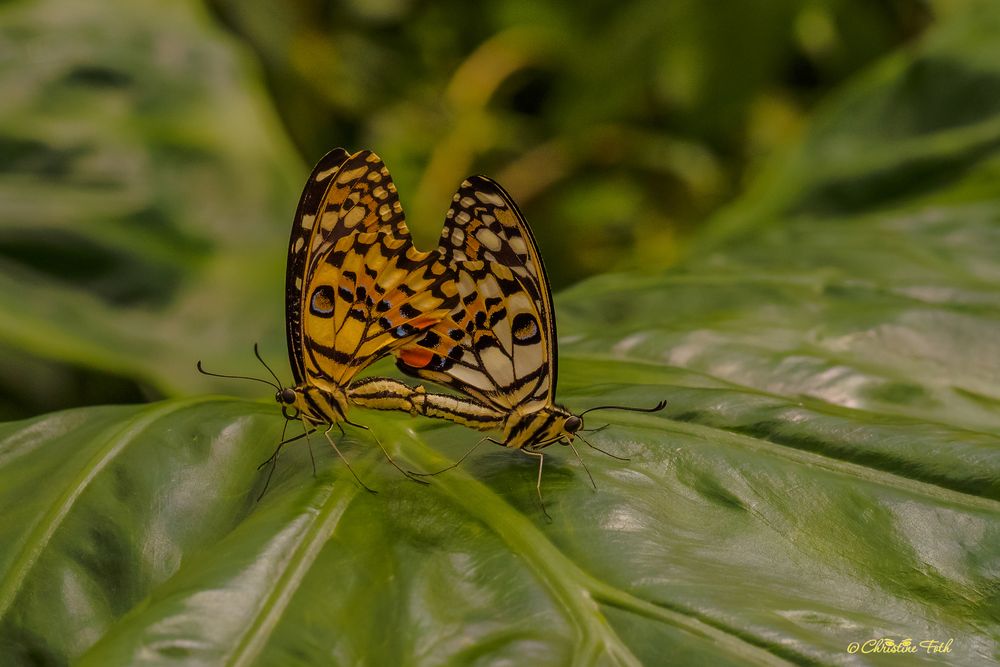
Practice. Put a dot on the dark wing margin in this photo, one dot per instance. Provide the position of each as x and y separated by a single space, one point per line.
298 253
345 194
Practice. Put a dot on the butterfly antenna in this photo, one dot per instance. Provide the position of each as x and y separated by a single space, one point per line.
584 464
236 377
256 353
656 408
602 451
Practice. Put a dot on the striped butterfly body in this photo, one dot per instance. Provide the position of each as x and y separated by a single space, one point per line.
356 290
506 360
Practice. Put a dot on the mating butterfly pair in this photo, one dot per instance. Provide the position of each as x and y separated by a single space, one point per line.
475 316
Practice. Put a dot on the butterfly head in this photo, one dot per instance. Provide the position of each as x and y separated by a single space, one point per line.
287 398
314 404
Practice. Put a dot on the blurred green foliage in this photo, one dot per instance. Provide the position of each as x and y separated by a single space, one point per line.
149 176
618 126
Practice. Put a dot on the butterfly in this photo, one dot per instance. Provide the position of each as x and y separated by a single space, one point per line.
355 290
506 361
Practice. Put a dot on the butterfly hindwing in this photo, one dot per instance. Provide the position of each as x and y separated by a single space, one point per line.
506 356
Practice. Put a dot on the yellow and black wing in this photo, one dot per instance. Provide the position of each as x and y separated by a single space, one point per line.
507 354
356 288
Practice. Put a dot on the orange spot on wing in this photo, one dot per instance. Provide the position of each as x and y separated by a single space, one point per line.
422 323
416 357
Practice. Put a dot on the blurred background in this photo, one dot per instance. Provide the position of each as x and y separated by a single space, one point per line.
153 152
617 126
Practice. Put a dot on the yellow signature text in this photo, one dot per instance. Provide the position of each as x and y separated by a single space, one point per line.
905 646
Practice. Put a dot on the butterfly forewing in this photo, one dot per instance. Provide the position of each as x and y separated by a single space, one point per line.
368 297
356 287
313 196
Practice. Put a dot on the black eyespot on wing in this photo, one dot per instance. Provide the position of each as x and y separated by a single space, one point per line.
456 335
383 306
345 294
321 302
408 311
361 293
525 329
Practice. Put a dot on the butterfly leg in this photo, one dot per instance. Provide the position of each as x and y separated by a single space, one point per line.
344 459
583 463
274 464
538 484
459 461
408 474
273 458
312 458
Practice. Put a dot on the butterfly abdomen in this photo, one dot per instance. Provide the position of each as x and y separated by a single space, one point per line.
380 393
390 394
466 412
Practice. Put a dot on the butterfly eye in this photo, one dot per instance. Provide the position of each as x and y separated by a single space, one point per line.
573 424
286 396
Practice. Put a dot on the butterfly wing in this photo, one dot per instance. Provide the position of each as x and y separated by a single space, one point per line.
506 355
356 288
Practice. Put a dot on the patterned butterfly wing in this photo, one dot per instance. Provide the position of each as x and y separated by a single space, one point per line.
356 287
506 356
302 228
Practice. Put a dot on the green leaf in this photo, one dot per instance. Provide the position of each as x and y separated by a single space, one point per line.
826 471
137 534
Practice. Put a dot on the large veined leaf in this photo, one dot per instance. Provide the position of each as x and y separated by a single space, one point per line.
826 471
132 536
